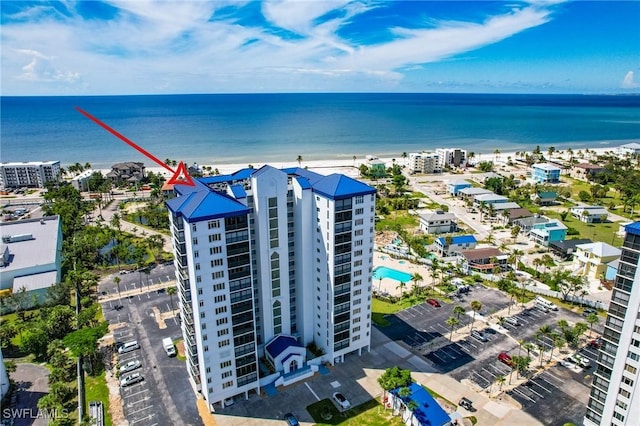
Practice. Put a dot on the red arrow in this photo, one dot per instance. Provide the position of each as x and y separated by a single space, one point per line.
180 176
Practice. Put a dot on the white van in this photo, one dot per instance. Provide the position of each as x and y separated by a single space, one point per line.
541 301
168 346
128 347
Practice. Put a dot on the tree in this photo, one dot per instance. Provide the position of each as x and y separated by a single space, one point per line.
515 231
521 364
8 331
416 278
476 306
60 320
117 280
299 160
393 378
155 242
458 310
171 291
452 323
500 379
34 341
584 196
592 319
402 286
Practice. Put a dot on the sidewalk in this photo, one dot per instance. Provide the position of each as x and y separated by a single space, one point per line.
135 292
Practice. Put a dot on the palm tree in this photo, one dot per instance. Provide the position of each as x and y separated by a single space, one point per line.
299 160
171 291
500 379
416 278
592 319
496 154
452 323
401 286
354 161
458 310
476 306
404 156
117 280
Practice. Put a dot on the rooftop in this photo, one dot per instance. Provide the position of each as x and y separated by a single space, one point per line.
600 249
546 166
569 244
481 253
427 412
588 166
519 213
490 197
475 191
459 239
439 215
41 248
280 344
633 228
459 182
506 206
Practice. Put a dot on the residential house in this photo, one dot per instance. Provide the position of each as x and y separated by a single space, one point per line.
565 249
377 168
545 173
425 410
590 260
526 224
81 181
424 162
518 213
129 172
458 243
489 199
499 207
454 186
470 193
482 260
544 198
438 222
585 171
590 214
544 233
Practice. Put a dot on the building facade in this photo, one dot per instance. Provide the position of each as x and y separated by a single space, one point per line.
424 162
34 174
545 173
615 392
452 157
438 223
265 255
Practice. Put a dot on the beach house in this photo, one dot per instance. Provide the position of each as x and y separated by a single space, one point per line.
590 214
585 171
544 233
438 222
482 260
544 198
454 186
545 173
455 244
590 260
130 172
377 167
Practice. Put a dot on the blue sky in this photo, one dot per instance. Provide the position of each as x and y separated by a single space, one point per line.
140 47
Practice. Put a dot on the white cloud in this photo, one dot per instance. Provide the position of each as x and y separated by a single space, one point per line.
628 81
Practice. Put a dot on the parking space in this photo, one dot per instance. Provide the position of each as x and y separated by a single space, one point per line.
164 396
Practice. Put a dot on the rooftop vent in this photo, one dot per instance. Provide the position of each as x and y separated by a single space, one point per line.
16 238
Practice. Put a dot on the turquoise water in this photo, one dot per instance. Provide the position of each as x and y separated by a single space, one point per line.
384 272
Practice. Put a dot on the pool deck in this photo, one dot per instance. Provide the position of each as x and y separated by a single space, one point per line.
389 285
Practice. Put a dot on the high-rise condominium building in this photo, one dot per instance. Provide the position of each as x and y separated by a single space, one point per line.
424 162
615 392
452 157
34 174
269 261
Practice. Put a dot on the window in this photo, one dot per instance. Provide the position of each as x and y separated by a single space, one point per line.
208 369
204 337
624 393
195 241
201 303
197 266
203 326
223 332
225 364
198 279
359 199
220 298
227 384
216 275
631 369
206 348
196 254
221 321
200 291
202 315
217 262
215 237
360 211
194 228
223 343
218 287
627 381
213 224
227 374
215 250
221 309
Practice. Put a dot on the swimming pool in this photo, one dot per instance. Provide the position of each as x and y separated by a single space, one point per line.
384 272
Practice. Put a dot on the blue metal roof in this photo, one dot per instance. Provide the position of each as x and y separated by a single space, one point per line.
205 204
428 412
303 182
336 187
238 191
460 239
238 175
280 344
633 228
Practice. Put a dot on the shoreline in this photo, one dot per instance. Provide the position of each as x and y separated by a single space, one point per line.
348 167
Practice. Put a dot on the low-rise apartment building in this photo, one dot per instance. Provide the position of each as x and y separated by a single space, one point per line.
34 174
545 173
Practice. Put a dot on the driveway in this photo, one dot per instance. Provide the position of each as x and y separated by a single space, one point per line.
31 384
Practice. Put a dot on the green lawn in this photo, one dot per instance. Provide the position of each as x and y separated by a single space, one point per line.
397 218
604 232
612 196
96 389
380 308
370 413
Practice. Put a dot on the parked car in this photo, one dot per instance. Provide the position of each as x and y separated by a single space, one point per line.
433 302
131 379
291 419
341 400
582 361
466 403
128 347
589 311
130 366
479 335
505 358
595 343
512 321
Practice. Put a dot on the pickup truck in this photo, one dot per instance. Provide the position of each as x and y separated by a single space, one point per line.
168 346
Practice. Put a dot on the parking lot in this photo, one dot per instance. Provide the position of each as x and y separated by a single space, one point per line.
140 281
165 396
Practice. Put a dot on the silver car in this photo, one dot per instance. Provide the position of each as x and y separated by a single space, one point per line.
130 366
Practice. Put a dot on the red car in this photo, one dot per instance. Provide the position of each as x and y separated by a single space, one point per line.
595 343
505 358
433 302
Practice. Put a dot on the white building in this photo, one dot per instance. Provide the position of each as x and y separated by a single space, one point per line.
30 255
438 222
34 174
268 261
590 214
628 149
615 391
452 157
424 162
81 181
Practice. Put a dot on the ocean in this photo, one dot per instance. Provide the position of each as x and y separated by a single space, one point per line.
254 128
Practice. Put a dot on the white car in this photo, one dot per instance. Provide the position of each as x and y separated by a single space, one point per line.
128 347
341 400
130 366
581 361
131 379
